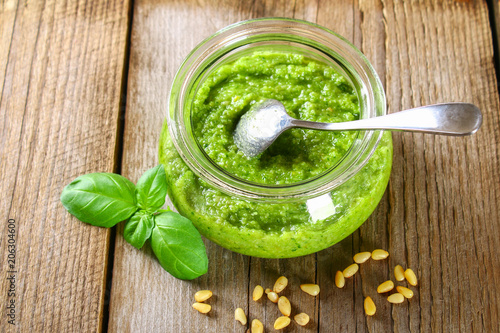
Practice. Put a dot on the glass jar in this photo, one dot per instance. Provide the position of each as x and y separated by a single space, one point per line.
275 221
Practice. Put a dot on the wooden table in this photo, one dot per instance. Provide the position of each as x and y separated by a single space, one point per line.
83 88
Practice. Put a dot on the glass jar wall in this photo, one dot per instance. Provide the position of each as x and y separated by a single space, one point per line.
285 219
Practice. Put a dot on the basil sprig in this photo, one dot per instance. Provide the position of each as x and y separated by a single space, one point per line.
104 199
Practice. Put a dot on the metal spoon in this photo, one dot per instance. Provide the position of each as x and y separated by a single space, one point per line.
265 121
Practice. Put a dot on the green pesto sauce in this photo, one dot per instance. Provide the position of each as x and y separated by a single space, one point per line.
308 89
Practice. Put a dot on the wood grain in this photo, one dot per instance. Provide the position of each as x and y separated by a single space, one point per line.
144 297
439 215
446 190
61 68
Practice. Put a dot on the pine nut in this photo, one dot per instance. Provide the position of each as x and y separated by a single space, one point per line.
408 293
267 291
257 293
350 270
411 277
284 306
257 326
311 289
273 297
281 322
202 295
302 319
240 316
385 287
362 257
370 307
202 307
339 279
379 254
280 284
399 273
396 298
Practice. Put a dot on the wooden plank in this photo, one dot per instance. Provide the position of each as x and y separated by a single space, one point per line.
154 60
343 18
444 193
439 215
144 297
342 309
61 67
298 270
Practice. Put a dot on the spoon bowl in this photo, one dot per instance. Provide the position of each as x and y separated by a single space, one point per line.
263 123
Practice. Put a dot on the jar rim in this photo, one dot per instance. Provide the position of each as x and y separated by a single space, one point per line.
202 57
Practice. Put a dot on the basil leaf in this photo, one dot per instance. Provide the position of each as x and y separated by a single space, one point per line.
178 246
152 189
101 199
138 228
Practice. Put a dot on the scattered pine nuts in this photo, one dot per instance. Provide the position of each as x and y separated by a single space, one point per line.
411 277
362 257
399 273
202 307
202 295
396 298
281 322
284 306
408 293
350 270
379 254
339 279
385 287
302 319
257 326
240 316
273 297
311 289
280 284
258 291
370 307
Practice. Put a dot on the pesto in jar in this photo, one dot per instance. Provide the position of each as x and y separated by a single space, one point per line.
310 90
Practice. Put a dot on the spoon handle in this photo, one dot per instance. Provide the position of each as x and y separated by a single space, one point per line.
448 119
